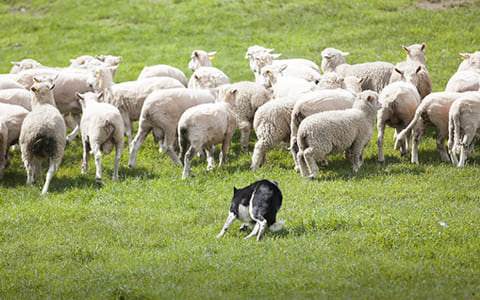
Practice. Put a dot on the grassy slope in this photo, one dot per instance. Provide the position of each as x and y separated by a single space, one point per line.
393 230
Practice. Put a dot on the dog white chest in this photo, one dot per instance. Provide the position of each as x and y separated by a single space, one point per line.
244 214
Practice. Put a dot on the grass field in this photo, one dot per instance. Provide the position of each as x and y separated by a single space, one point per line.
392 230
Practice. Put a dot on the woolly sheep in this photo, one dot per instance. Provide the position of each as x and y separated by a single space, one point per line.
11 118
399 102
332 132
376 74
21 97
160 114
200 58
128 96
9 82
471 61
207 77
315 102
163 70
102 128
42 136
285 86
463 128
246 97
204 126
272 126
463 81
88 61
433 110
24 64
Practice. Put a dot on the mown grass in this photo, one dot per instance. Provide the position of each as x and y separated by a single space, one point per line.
393 230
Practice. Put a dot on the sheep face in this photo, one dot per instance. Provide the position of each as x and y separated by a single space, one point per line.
331 58
101 77
473 59
25 64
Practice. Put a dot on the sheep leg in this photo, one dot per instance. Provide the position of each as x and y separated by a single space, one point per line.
419 131
97 154
312 166
465 148
188 162
259 153
302 164
210 157
51 169
245 128
381 136
230 219
441 147
168 144
86 156
76 120
223 154
136 144
116 163
128 126
294 151
30 172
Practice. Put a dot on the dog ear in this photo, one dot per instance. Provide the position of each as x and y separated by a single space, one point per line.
234 190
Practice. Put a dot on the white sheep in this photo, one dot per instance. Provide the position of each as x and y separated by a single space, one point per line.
204 126
463 128
332 132
399 102
464 81
433 110
11 119
160 114
315 102
207 77
376 74
128 96
8 81
471 61
163 70
246 97
284 86
24 64
42 136
200 58
88 61
20 97
272 126
102 128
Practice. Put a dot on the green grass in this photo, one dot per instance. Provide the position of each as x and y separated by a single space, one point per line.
393 230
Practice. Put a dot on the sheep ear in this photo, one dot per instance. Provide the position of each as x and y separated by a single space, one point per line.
15 63
399 71
100 58
233 91
269 73
361 80
112 69
72 61
196 77
423 47
345 53
418 69
34 89
269 50
465 56
79 96
100 95
211 55
276 55
52 86
195 53
406 49
35 80
283 67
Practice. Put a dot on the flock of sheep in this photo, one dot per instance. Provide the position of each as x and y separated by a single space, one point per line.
290 101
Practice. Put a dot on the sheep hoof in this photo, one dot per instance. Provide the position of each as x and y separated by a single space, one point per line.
311 177
98 181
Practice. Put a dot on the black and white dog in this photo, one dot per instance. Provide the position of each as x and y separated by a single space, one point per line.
257 203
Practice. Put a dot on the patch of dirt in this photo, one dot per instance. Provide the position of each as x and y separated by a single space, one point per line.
442 4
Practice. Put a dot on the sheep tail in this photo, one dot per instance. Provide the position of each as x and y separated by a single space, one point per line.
43 146
109 129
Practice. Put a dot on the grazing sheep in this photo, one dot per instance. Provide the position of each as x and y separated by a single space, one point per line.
163 71
376 74
42 136
207 77
415 66
471 61
246 97
463 81
160 114
332 132
11 118
272 126
399 102
285 86
433 110
463 128
20 97
315 102
128 96
257 203
204 126
102 128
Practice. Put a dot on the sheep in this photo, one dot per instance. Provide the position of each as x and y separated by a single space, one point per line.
415 65
88 61
463 127
433 110
252 52
20 97
207 77
24 64
204 126
463 81
246 97
101 128
160 114
376 74
42 136
11 119
128 96
163 70
471 61
315 102
332 132
399 101
284 86
9 82
272 126
200 58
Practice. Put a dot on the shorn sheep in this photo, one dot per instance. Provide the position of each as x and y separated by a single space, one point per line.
204 74
333 132
160 114
42 136
163 71
11 119
246 97
101 128
376 74
284 86
433 110
399 102
463 127
204 126
467 77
